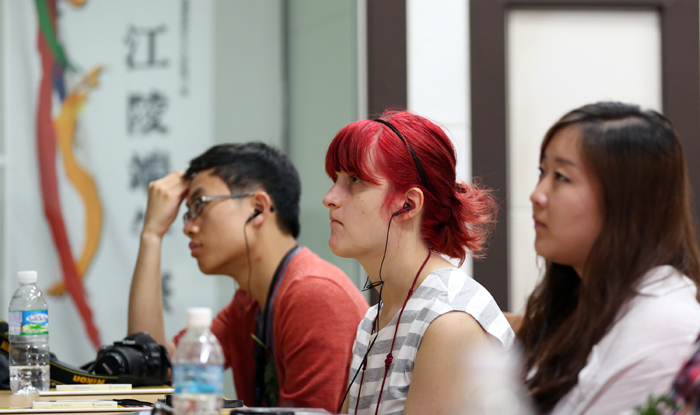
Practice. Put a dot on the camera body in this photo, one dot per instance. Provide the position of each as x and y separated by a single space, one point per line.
138 356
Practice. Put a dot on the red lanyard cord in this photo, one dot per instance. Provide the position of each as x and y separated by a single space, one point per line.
389 357
362 379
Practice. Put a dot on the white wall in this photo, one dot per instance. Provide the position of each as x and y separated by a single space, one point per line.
438 73
557 61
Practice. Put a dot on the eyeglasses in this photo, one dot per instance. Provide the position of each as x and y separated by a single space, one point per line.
197 206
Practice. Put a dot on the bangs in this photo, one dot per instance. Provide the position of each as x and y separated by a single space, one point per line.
351 150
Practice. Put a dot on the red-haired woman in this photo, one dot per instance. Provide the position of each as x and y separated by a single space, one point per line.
616 311
397 207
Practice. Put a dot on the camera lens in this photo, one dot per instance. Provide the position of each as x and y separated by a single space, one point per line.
120 360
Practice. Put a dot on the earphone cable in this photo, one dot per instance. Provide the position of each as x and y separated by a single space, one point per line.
247 254
250 266
379 284
362 363
381 281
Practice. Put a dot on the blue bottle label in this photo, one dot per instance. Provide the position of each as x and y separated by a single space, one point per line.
28 323
194 379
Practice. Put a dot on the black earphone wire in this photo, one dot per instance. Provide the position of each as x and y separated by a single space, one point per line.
250 265
369 285
247 247
381 281
247 254
364 359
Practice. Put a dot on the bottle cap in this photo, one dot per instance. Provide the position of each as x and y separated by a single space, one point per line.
26 277
199 317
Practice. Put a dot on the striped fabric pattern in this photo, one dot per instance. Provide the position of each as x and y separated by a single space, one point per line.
443 290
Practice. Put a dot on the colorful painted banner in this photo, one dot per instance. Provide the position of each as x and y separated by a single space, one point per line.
54 61
115 94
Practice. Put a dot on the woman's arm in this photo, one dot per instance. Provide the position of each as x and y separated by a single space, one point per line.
440 377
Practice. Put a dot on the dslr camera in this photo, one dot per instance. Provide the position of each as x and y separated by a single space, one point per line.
137 359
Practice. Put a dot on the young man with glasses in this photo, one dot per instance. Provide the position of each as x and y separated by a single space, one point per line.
288 332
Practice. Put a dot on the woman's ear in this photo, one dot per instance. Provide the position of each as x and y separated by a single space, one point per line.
413 203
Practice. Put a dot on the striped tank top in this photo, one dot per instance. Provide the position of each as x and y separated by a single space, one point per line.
443 290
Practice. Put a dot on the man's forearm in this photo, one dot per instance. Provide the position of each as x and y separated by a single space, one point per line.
146 295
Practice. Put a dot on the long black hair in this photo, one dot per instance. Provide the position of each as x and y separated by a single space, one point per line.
637 160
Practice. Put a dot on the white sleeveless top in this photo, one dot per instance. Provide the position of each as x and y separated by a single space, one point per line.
443 290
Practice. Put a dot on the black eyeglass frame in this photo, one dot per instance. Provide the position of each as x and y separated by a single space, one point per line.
193 212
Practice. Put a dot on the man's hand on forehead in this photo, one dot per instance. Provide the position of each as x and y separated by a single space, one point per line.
164 198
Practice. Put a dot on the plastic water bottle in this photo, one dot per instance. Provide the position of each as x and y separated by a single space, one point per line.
29 337
198 368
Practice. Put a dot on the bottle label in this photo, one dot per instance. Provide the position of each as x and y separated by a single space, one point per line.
193 378
27 323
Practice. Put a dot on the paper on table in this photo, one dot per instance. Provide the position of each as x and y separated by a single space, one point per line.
15 410
95 387
145 391
88 403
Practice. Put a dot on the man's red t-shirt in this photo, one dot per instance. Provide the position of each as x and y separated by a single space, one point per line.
315 315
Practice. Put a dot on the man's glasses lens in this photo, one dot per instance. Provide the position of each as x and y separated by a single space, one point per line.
197 205
194 210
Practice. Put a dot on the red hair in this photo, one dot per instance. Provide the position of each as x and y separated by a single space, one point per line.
457 218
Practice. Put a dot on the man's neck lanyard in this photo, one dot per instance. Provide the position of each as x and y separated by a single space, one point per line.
264 351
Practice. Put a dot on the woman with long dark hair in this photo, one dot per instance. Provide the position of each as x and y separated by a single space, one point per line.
396 206
616 311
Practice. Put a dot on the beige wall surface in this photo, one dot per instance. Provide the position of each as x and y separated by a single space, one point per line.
559 60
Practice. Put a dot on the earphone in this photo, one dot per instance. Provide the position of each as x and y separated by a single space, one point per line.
253 216
406 207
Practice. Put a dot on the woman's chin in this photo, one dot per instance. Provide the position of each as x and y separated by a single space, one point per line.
337 249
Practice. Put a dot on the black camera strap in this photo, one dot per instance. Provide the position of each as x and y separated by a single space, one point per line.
61 373
264 354
64 374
